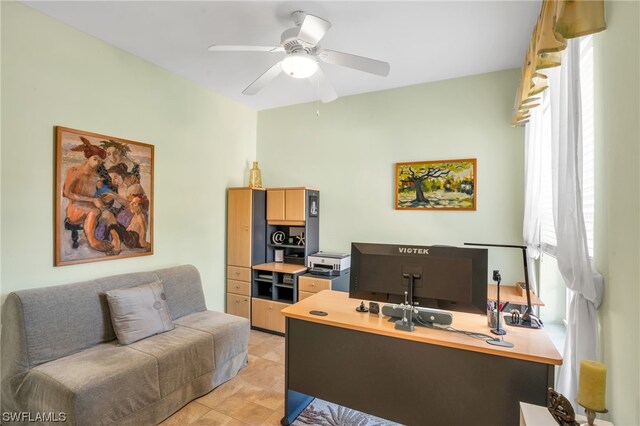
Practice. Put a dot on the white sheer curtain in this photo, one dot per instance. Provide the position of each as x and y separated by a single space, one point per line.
532 223
572 252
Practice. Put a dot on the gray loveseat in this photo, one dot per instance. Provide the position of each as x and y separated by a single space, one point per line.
59 353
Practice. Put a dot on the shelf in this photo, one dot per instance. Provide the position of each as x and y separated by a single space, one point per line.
263 298
289 301
283 285
281 267
265 280
296 246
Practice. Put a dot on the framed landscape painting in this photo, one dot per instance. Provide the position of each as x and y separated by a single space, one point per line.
436 185
104 197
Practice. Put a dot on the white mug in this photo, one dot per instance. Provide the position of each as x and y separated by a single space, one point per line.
279 255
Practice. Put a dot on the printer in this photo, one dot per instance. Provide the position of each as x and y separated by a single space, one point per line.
324 263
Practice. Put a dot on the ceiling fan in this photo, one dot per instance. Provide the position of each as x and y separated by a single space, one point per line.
300 45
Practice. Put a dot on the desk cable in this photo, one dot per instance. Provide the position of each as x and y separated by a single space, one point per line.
450 329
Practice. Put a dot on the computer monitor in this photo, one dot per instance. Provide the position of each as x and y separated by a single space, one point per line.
449 278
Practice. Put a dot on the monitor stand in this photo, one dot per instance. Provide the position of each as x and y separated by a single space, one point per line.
427 315
405 324
499 342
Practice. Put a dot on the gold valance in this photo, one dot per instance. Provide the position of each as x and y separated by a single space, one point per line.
558 21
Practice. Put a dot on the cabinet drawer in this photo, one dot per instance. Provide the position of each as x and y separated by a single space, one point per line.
266 314
239 305
313 285
239 274
303 295
241 288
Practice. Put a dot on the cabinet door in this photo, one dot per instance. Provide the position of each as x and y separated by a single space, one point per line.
239 305
266 314
295 204
239 227
275 204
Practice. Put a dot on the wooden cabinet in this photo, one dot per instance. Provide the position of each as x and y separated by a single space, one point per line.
294 212
286 205
274 286
309 284
246 245
276 281
266 314
257 287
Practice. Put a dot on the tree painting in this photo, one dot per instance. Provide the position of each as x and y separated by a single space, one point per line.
436 185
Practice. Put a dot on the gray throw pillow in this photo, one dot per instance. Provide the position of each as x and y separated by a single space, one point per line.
139 312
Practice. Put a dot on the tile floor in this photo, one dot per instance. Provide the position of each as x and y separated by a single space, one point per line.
254 397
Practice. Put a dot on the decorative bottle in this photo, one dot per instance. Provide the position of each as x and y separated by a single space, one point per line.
255 177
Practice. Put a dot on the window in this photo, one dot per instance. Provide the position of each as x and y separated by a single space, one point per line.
552 287
548 233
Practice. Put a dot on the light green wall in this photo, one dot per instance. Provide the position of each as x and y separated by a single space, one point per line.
349 151
54 75
617 226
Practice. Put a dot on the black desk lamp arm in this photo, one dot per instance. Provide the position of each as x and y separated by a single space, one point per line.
526 316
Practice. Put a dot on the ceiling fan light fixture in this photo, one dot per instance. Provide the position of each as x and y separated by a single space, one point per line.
298 65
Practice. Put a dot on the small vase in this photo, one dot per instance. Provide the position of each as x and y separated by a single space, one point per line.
255 177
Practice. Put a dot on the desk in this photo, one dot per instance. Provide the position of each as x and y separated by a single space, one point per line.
511 294
425 377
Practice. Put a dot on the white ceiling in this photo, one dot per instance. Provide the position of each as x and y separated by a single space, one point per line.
423 41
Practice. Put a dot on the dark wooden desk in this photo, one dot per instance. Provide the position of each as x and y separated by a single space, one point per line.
426 377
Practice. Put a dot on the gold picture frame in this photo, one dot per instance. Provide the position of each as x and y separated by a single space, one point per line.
104 197
436 185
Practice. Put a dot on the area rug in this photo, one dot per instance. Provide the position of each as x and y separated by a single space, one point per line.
323 413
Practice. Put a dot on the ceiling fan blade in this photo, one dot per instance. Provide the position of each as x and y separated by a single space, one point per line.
321 84
263 80
221 48
361 63
313 29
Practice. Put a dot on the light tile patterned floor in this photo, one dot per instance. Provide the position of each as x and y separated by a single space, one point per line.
254 397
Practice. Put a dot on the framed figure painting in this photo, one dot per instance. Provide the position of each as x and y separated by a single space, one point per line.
436 185
104 197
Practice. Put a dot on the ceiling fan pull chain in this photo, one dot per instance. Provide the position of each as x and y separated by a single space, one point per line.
318 97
